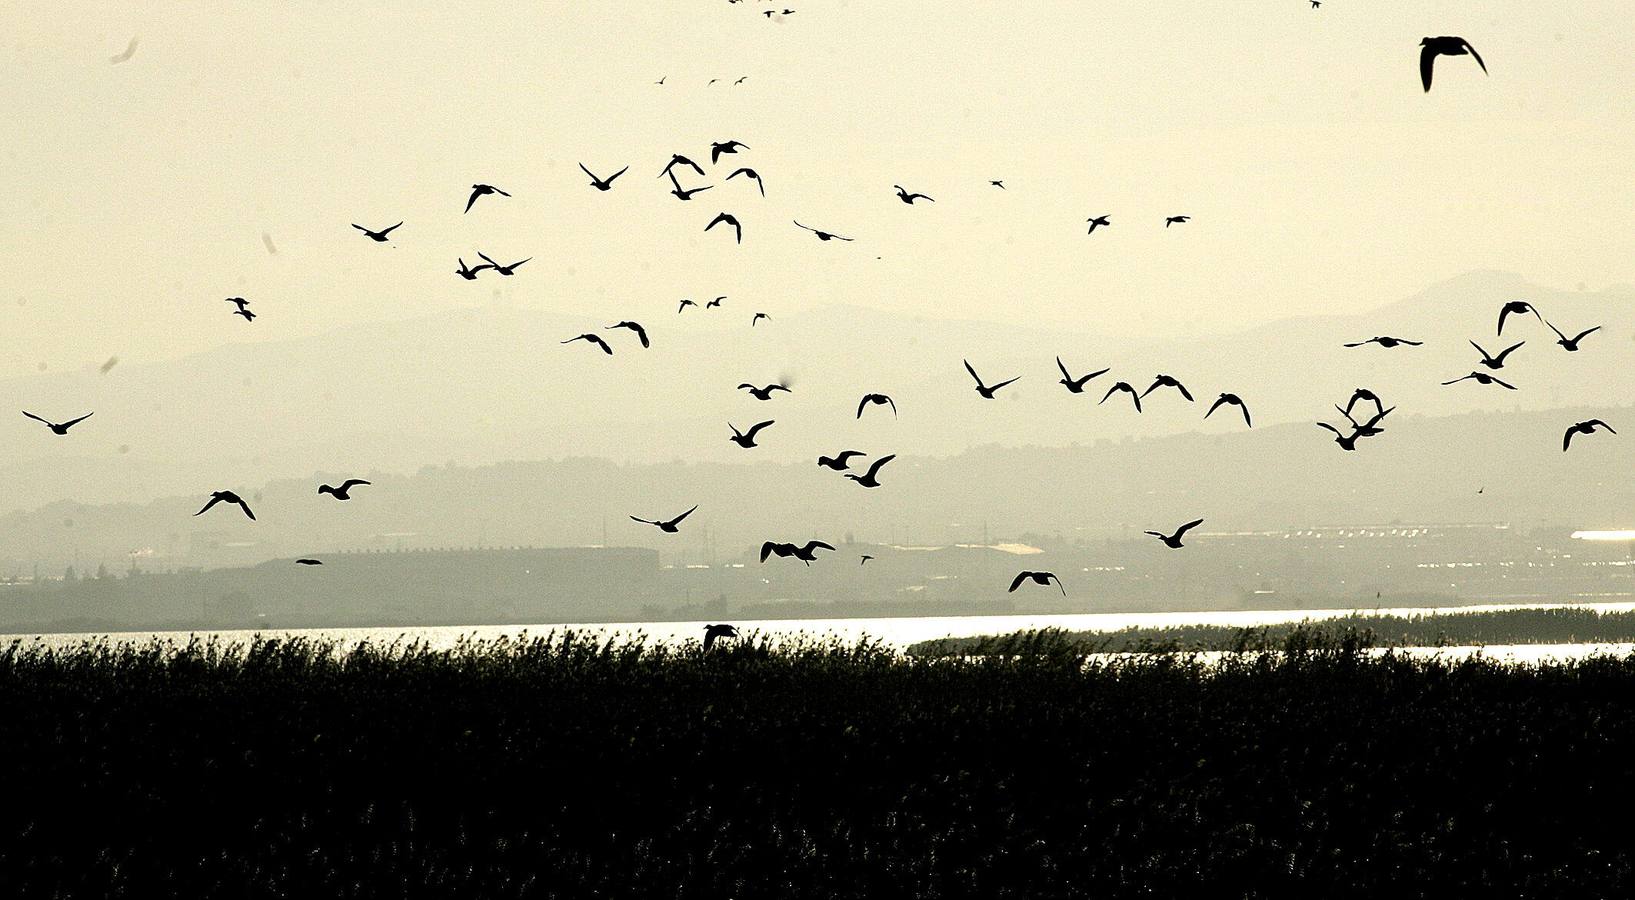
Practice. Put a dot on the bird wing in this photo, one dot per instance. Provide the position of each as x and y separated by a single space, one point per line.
1360 343
34 417
757 427
351 483
1411 343
1156 534
1485 354
1427 59
213 501
244 506
1003 383
799 225
878 463
488 260
818 545
597 340
1052 575
644 521
1503 384
719 218
360 228
517 264
1183 389
696 167
1460 378
1602 424
474 195
610 178
1323 425
1586 333
386 231
1017 581
766 550
746 386
1555 329
592 175
860 404
640 332
1245 407
1187 527
1475 54
973 373
1065 373
778 387
893 404
1510 349
1567 439
1214 406
845 455
677 519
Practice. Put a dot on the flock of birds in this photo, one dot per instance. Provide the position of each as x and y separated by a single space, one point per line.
1347 437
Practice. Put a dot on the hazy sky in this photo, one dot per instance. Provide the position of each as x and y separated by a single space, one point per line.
1319 175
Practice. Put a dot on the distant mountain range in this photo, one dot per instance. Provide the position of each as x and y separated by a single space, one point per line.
479 386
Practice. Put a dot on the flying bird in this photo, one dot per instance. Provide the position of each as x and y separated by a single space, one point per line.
822 235
1369 428
1097 222
1167 381
1496 362
478 190
986 391
746 439
130 51
908 198
594 339
1040 578
1481 378
668 526
1571 343
379 237
1387 342
1076 385
840 461
684 304
1519 307
1432 47
603 184
685 193
1363 395
752 175
1126 388
741 80
59 428
344 492
633 326
806 553
248 316
309 562
716 149
503 270
467 272
1583 428
727 218
864 559
1231 400
226 497
758 317
867 479
713 633
239 302
763 393
1176 220
1347 442
716 302
676 159
878 400
998 184
1173 541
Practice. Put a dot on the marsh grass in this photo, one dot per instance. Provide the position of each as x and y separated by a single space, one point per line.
562 766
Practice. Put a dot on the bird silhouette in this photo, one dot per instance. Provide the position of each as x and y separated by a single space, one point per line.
1387 342
741 80
603 184
1040 578
752 175
1231 400
59 428
503 270
226 497
1363 395
864 559
878 400
676 159
713 633
594 339
823 235
344 492
727 218
1481 378
840 461
758 317
763 393
1496 362
746 439
684 304
309 562
716 302
1583 428
1176 220
908 198
479 190
806 553
716 149
685 193
240 302
1076 385
1173 541
986 391
468 273
1126 388
867 479
379 237
668 526
633 326
248 316
1097 222
661 80
1167 381
1570 344
1347 442
1518 307
1369 428
1432 47
998 184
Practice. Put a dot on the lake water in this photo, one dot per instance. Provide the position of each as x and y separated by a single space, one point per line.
894 632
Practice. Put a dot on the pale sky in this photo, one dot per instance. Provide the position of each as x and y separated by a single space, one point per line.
1319 175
